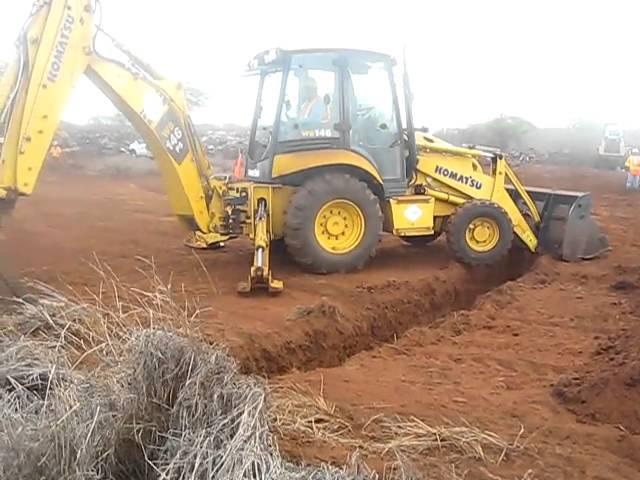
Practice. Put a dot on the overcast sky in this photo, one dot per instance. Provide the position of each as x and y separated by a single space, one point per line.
552 62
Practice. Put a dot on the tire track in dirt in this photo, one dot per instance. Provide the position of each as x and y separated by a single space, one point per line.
328 333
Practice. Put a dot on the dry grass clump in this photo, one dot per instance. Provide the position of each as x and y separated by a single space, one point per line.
324 308
54 423
96 325
300 413
158 405
176 410
203 418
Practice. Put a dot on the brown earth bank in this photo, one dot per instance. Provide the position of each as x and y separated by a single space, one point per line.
611 377
540 345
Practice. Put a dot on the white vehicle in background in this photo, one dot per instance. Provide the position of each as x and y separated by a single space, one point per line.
612 149
139 149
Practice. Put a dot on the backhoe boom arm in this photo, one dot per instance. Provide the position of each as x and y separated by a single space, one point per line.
57 47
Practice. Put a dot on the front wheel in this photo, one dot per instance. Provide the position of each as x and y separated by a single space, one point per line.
333 224
479 233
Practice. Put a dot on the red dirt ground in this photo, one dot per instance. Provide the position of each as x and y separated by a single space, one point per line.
548 346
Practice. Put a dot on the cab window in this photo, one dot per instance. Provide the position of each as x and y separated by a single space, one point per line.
311 106
373 114
267 112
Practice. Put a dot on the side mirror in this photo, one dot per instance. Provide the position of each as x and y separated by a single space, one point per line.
383 126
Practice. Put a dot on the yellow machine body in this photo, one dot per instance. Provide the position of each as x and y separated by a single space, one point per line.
328 203
453 175
450 176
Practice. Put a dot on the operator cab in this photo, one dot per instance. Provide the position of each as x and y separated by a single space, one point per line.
613 131
310 100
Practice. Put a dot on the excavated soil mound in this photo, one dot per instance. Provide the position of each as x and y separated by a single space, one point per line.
608 389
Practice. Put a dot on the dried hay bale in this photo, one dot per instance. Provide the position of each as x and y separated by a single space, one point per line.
54 423
204 419
175 409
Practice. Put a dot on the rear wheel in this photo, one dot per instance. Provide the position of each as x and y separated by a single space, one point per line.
333 224
479 233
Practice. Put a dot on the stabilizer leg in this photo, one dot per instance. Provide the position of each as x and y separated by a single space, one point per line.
260 276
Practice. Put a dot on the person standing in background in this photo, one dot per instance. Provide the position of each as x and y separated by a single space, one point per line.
56 150
632 167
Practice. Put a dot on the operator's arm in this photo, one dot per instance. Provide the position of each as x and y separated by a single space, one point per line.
55 48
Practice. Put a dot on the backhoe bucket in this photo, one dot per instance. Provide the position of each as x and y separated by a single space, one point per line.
567 230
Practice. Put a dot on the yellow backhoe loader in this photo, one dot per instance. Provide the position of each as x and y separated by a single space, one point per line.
330 165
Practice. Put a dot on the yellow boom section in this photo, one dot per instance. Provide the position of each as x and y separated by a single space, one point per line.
156 110
457 176
55 48
51 56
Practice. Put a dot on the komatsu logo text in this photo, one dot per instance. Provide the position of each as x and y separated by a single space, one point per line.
61 48
458 177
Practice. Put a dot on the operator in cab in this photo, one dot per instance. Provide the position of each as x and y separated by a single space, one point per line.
312 109
632 167
312 114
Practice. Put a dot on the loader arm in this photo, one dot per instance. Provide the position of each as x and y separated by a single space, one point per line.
557 222
55 48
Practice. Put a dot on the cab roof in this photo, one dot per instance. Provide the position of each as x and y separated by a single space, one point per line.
276 57
346 51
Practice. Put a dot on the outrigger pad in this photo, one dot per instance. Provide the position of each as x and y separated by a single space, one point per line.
568 230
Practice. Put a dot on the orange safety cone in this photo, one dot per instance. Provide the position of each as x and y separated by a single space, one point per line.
238 167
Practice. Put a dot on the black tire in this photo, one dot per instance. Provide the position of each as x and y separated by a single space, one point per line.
421 240
303 209
460 222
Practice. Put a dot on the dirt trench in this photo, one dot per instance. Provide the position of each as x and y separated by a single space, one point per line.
611 374
327 333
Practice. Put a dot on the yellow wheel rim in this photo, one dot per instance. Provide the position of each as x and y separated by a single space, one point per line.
483 234
339 226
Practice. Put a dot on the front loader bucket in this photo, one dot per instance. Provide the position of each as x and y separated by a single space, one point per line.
567 229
